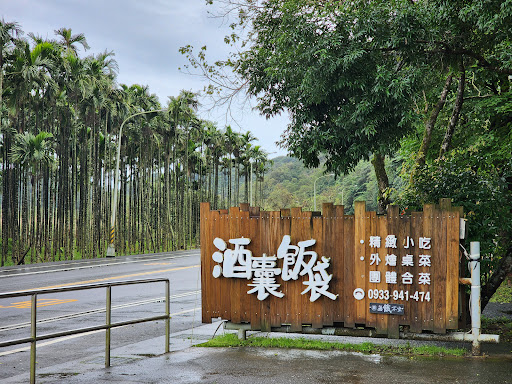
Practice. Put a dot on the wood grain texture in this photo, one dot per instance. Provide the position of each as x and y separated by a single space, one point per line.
345 239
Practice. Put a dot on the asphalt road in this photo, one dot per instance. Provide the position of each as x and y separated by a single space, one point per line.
80 309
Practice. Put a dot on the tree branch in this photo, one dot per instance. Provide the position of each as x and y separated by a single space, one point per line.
445 146
429 126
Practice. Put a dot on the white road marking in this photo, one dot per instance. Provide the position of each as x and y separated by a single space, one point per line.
98 310
65 267
39 345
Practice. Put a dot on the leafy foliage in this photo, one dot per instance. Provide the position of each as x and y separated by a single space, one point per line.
347 96
365 77
473 180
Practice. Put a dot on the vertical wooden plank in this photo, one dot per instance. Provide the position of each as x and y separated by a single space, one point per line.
234 284
360 257
294 287
393 226
306 310
244 207
416 318
438 277
214 290
338 266
349 308
371 230
286 317
254 211
276 303
245 231
317 307
252 302
381 324
264 249
224 292
329 249
428 231
206 262
452 270
412 306
463 297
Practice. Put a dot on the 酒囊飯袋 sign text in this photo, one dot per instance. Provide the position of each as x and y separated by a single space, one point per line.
296 260
299 268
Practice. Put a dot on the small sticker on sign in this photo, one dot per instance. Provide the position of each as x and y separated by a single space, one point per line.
387 309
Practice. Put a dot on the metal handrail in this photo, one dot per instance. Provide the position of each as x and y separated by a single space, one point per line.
108 323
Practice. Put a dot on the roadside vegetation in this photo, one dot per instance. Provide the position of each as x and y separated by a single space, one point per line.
501 325
504 292
60 118
498 326
231 340
421 89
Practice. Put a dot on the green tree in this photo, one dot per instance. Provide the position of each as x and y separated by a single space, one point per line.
359 79
58 105
69 41
8 37
33 153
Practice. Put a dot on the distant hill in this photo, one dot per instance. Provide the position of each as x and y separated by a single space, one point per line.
289 184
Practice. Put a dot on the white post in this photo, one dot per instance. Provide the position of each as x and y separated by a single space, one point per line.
250 189
111 251
474 265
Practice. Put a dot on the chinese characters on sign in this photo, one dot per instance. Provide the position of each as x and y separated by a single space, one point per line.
296 261
388 309
424 243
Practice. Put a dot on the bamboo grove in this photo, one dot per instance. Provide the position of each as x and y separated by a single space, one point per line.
60 116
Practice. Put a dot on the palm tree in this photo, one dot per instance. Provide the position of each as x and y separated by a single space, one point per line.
28 80
215 151
33 153
262 163
69 41
182 110
231 143
8 34
245 160
169 162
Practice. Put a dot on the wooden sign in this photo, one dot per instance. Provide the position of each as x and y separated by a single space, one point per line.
298 268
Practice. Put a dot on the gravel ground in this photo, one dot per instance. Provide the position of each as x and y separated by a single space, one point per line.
496 310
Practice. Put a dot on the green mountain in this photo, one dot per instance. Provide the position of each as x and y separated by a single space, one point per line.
289 184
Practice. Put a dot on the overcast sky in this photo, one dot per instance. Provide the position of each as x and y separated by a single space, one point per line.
145 36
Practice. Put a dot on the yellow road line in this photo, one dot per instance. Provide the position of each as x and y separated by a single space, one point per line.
118 277
40 303
157 263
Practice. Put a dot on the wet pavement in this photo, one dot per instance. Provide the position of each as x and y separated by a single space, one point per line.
258 365
187 364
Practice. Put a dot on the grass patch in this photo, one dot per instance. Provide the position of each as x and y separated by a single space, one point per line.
231 340
503 294
501 326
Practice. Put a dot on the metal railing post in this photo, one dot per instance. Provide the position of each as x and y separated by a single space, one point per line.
168 314
34 337
108 309
33 333
475 295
